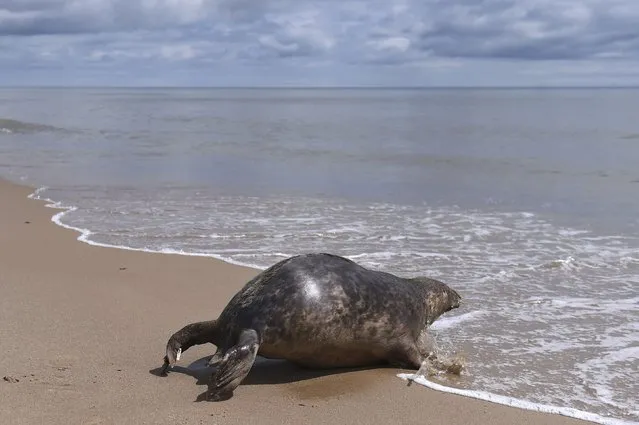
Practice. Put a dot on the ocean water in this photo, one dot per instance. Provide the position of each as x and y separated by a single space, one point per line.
526 201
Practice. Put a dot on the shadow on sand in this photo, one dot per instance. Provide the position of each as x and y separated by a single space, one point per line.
263 372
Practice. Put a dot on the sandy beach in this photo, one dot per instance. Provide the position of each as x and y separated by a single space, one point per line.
84 329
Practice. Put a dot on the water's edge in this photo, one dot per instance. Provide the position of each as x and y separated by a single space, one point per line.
85 234
515 402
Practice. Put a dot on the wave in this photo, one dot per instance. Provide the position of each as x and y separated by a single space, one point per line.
452 321
85 234
21 127
515 402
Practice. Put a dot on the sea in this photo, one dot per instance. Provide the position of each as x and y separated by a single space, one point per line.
526 201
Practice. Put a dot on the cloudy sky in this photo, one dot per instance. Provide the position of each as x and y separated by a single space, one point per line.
319 42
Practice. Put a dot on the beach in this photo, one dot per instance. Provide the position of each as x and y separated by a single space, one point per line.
84 329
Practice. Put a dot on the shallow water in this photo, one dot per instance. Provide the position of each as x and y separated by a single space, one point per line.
525 201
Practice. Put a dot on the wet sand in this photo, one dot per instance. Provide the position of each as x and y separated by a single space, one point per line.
83 331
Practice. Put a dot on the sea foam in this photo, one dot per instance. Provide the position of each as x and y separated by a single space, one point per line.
514 402
85 234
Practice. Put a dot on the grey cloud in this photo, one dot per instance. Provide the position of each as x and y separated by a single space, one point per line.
498 29
38 17
528 29
347 32
294 35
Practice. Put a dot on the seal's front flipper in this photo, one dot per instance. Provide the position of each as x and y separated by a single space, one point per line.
234 366
190 335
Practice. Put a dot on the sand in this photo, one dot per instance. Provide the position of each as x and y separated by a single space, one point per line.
83 331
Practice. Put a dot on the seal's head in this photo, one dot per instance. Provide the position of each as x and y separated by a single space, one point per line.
439 297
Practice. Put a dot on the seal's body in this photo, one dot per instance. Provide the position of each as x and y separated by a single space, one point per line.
319 311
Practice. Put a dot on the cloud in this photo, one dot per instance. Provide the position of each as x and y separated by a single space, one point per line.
34 17
344 34
533 30
297 33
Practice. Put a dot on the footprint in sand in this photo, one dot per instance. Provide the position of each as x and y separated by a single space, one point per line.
10 379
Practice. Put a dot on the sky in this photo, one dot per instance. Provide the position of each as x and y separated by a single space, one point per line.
319 42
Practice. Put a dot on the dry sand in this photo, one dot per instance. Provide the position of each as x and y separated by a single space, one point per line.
83 329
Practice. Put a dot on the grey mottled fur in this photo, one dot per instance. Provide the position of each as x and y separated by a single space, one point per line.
320 311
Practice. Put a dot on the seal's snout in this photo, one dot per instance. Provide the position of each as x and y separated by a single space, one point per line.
454 298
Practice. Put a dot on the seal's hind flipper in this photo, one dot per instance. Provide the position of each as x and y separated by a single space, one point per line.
190 335
217 357
234 366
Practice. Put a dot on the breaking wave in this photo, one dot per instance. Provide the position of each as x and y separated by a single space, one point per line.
21 127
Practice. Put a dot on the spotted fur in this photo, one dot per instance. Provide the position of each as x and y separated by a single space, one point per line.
323 311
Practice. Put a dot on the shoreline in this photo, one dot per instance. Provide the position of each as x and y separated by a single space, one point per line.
88 325
85 234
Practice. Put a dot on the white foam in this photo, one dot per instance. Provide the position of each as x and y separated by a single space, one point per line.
450 322
514 402
586 304
621 355
571 232
86 233
380 255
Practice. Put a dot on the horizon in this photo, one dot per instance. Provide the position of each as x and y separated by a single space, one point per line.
345 87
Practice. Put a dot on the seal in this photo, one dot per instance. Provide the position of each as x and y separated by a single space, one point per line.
318 310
